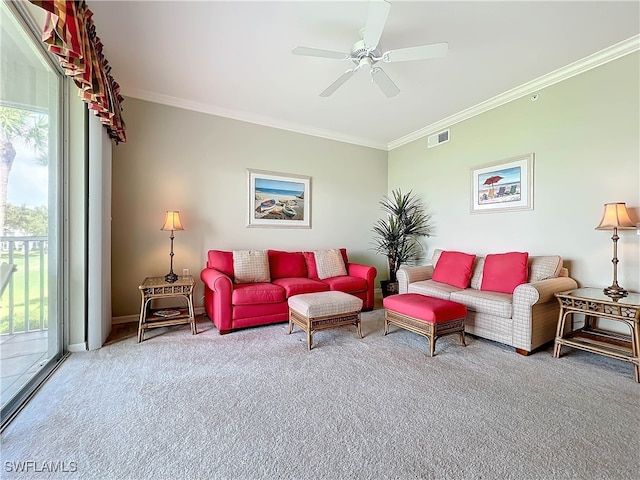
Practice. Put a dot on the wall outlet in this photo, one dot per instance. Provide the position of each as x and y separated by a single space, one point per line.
185 272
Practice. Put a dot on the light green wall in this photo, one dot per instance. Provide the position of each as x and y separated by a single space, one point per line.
585 133
196 163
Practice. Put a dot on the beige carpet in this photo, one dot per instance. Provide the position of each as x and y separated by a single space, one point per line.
256 404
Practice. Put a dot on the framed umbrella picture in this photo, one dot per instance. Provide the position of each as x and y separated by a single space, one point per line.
503 186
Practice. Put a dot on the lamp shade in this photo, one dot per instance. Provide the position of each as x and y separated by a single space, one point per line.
172 221
615 216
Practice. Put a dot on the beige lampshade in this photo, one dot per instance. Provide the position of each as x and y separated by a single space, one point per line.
615 216
172 221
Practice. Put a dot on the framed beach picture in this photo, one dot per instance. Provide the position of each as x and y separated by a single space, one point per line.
278 199
506 185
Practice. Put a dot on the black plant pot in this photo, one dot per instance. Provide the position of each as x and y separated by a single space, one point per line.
388 288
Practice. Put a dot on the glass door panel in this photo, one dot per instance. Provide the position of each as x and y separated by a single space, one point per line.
30 237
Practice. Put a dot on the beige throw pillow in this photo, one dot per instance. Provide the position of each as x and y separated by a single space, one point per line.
543 267
250 266
329 263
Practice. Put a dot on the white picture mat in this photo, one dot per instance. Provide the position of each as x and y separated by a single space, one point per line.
515 173
285 188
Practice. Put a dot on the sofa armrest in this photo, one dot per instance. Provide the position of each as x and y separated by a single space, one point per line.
369 274
535 312
218 289
542 291
361 271
217 282
407 275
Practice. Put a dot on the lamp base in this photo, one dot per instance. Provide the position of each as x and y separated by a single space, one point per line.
615 291
171 277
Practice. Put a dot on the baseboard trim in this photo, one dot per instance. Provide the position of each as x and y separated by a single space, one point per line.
124 319
77 347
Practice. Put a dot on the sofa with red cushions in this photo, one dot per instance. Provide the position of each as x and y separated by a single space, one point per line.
509 296
246 288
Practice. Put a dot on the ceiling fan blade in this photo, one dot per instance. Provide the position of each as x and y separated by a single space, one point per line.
434 50
385 83
338 83
376 19
317 52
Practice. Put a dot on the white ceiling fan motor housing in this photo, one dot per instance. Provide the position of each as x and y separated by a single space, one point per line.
360 51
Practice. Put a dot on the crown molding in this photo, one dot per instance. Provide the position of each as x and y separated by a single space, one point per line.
592 61
249 117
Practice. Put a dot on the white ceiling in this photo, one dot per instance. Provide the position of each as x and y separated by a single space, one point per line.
233 58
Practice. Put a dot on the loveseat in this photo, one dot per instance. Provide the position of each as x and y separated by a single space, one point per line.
246 288
524 318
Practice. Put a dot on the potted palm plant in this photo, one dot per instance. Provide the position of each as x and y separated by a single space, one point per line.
396 235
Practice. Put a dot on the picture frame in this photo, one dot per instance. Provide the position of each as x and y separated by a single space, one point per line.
278 200
503 186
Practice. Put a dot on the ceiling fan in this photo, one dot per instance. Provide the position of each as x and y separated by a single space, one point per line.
365 54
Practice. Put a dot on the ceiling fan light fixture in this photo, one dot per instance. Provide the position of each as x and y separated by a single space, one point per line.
365 63
365 54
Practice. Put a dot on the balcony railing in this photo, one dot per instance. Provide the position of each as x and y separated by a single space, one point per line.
23 305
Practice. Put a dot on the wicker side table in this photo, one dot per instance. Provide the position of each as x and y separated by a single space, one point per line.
592 303
154 288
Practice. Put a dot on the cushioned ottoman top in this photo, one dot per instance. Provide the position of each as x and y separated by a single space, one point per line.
322 304
422 307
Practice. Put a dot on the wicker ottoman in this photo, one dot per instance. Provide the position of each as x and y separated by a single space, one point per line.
428 316
322 310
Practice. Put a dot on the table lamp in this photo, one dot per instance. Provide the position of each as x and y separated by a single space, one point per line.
172 223
615 217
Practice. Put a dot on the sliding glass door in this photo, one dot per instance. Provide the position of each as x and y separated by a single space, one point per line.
31 166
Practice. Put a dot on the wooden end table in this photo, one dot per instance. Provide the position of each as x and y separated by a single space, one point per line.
594 304
156 287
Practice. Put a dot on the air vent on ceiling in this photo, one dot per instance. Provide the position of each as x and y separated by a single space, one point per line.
438 138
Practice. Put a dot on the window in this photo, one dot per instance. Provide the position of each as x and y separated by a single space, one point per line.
31 237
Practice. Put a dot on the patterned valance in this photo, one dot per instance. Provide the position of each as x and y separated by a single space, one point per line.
70 33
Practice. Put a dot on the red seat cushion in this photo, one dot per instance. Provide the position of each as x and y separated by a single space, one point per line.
454 268
503 272
422 307
296 285
250 293
347 284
